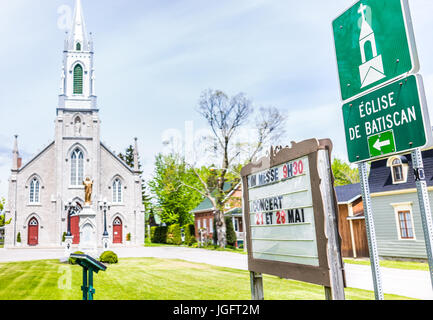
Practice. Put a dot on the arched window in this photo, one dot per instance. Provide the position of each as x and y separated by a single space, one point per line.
397 170
78 46
77 167
368 49
117 191
34 191
78 79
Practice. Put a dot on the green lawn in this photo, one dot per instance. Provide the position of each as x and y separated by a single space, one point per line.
212 248
151 279
406 265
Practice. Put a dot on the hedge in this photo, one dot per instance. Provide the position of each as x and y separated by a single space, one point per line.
174 235
159 234
190 238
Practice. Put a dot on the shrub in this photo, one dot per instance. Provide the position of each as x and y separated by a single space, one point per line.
230 232
109 257
160 235
64 237
174 235
190 234
152 234
72 260
128 237
19 237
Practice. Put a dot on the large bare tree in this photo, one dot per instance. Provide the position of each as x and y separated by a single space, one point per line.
225 117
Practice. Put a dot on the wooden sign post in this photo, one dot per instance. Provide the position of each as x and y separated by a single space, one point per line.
291 218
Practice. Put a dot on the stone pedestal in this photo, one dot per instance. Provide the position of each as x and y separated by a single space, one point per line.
68 246
88 242
105 243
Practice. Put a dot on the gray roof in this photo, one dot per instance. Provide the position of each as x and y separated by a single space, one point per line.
348 193
380 178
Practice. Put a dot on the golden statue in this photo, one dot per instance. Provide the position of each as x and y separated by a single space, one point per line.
88 186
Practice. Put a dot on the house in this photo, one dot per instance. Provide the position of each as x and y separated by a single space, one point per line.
204 216
396 211
351 221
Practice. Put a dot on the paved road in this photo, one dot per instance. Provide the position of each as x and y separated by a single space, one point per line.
408 283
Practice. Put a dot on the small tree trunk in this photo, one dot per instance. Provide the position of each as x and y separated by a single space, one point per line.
221 228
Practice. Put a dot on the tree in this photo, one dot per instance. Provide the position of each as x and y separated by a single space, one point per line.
343 173
128 158
3 221
168 185
225 117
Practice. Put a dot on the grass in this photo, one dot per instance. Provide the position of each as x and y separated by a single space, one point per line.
213 248
406 265
151 279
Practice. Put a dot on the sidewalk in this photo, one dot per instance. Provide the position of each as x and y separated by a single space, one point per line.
408 283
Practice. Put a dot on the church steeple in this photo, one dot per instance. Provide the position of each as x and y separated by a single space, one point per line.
78 75
78 39
16 160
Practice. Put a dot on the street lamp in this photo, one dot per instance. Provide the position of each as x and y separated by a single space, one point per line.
104 205
70 207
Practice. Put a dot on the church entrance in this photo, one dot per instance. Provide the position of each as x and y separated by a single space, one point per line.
117 230
33 235
75 229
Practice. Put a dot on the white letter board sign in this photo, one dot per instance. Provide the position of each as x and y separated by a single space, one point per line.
285 213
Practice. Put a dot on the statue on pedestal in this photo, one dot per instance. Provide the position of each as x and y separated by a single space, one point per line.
88 187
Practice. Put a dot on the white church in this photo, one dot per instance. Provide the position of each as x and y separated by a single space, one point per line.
43 190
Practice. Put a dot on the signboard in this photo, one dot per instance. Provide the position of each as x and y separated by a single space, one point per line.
392 119
374 44
284 210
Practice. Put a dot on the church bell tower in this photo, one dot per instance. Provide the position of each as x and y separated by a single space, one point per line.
77 87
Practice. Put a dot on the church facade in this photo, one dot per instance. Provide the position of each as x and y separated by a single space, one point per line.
41 190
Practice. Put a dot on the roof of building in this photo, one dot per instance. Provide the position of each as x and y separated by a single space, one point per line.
206 204
380 179
348 193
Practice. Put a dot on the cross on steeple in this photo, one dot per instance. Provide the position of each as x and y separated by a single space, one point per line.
361 10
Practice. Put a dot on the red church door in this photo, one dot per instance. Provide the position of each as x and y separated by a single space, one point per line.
33 235
117 231
75 229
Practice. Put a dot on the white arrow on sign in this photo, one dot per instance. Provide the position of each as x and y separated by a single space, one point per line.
378 145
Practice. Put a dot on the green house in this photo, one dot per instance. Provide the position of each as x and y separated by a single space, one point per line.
396 212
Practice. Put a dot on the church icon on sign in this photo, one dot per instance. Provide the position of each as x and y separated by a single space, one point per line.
371 70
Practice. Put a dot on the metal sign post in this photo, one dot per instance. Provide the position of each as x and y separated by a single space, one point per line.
424 205
371 233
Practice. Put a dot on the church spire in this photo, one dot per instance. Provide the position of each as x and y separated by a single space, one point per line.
15 159
78 40
136 167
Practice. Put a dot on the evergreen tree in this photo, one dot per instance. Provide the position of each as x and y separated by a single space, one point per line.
230 232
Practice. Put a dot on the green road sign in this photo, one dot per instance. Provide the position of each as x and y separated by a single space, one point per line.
393 119
381 144
374 44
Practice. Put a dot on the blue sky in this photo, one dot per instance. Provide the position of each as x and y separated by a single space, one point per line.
154 58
